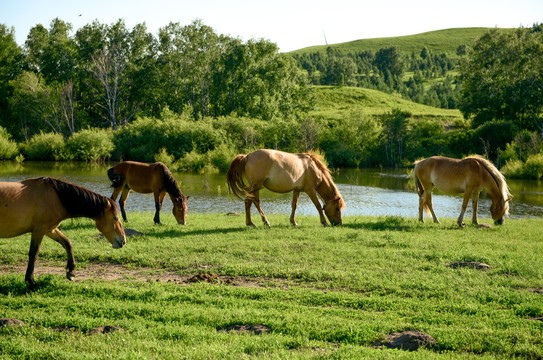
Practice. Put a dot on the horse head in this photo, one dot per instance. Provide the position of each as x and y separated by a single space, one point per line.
110 225
180 208
498 209
332 209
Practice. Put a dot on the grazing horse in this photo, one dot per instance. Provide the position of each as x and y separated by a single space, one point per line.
468 176
148 178
283 172
39 205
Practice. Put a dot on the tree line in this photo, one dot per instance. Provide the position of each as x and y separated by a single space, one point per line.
189 96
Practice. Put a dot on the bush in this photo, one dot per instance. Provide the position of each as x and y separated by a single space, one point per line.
192 162
8 148
533 168
167 159
90 145
222 156
45 146
513 169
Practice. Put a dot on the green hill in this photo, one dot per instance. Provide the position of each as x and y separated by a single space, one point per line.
335 103
440 41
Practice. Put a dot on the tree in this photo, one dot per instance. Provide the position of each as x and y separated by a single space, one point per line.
390 59
502 78
10 67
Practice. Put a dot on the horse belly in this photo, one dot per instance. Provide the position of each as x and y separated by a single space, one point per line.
447 185
14 222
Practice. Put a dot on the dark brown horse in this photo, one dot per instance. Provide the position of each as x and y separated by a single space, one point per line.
148 178
39 205
468 176
283 172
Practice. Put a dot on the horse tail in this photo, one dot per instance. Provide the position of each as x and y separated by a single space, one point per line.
420 190
115 178
234 176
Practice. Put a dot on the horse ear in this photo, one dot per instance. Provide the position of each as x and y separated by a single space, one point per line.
106 201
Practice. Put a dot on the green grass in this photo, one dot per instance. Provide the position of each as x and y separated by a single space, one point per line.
323 292
335 103
441 41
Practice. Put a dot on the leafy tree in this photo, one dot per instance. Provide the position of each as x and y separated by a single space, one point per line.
390 59
10 67
502 78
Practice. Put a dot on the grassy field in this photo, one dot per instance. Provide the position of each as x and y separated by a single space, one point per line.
335 103
314 292
441 41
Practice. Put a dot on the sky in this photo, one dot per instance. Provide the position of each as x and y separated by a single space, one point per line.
291 24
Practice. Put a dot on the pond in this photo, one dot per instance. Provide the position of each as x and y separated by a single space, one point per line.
366 191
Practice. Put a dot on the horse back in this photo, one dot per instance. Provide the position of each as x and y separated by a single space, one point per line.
450 176
27 206
141 177
279 171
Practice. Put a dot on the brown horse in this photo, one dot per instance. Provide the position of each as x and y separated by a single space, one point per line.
39 205
468 176
283 172
148 178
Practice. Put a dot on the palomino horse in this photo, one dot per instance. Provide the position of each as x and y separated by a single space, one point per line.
283 172
39 205
148 178
468 176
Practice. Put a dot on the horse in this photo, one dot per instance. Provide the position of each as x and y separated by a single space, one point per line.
147 178
468 176
39 205
283 172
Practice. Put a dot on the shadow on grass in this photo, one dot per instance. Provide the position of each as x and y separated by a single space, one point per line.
16 286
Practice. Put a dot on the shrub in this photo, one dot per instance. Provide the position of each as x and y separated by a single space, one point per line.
222 156
167 159
45 146
90 145
8 147
513 169
533 168
192 162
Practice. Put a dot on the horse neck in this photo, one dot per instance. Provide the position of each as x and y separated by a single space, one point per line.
492 187
327 189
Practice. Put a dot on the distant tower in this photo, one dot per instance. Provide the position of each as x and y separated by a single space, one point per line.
324 37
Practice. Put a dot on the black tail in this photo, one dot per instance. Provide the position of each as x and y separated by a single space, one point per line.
116 178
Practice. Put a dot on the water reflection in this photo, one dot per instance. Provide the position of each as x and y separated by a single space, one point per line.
366 192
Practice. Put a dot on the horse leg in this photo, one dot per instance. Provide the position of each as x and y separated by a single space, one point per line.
256 201
428 196
475 203
460 220
313 196
59 237
122 201
295 197
248 221
35 244
421 207
158 205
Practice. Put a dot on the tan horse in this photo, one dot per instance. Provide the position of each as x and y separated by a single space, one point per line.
148 178
468 176
283 172
39 205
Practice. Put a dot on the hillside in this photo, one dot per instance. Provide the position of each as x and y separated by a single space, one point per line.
336 102
439 41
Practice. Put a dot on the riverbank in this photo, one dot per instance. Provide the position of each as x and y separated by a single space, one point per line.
306 292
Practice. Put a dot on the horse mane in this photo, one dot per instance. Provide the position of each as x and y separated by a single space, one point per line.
496 175
170 184
325 172
78 201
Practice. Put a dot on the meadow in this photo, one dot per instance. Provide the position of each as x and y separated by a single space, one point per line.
305 293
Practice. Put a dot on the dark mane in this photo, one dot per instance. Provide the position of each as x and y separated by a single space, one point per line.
78 201
170 184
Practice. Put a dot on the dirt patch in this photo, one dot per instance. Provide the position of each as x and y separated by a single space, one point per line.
104 329
470 264
537 318
406 340
256 329
4 322
537 290
116 272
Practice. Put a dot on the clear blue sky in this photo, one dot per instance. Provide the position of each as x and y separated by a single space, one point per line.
291 24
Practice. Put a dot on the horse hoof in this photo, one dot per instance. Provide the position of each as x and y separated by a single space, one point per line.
251 225
70 276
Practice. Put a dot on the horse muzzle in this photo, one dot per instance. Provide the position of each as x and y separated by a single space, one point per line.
181 222
337 223
499 221
119 242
